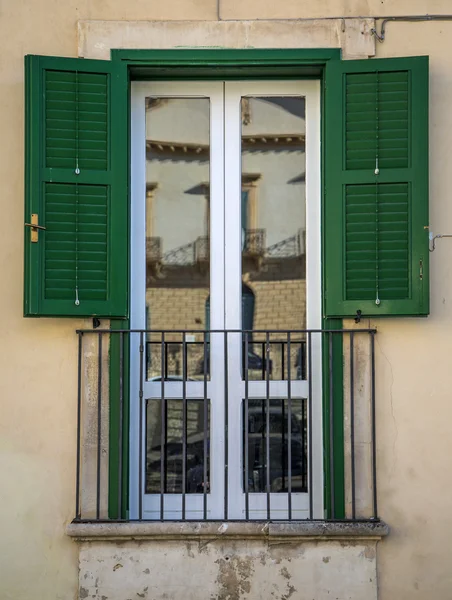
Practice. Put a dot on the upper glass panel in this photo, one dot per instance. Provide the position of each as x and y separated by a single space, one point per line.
177 232
273 222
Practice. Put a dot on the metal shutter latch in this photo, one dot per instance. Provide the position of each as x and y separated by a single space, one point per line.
35 227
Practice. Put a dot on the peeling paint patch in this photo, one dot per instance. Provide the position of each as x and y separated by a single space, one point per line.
84 593
369 553
290 591
285 573
234 577
326 559
117 566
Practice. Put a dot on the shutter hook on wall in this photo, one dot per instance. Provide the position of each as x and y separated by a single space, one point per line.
432 238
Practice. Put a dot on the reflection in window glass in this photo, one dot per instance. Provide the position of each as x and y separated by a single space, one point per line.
170 443
278 442
177 231
273 216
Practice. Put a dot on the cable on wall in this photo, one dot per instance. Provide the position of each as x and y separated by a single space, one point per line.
408 19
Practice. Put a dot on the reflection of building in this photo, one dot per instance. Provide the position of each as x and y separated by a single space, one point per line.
272 212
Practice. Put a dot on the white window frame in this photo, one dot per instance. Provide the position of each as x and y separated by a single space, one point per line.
225 197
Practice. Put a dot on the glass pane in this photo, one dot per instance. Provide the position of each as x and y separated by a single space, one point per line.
177 230
273 221
171 445
278 445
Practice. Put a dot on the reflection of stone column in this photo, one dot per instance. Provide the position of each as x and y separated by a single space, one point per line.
250 182
246 111
151 188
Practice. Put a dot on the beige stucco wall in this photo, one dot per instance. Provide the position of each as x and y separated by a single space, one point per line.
38 357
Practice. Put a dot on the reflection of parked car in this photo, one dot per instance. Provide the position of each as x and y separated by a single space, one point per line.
278 447
171 443
300 361
171 378
255 363
174 465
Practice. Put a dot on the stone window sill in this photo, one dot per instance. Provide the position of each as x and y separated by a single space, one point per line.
301 530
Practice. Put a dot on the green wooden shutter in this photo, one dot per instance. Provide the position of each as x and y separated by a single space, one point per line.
76 182
375 235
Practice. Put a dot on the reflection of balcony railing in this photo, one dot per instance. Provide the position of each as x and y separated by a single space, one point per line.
183 255
254 242
253 245
288 248
198 252
202 249
153 250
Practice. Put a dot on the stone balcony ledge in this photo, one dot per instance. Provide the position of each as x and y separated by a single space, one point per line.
195 530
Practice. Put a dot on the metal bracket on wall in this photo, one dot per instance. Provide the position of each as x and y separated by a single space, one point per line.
432 239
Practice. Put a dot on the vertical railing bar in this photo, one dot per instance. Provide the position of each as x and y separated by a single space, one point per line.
303 360
289 429
141 441
166 361
374 436
246 426
206 426
282 361
331 422
163 426
283 441
184 422
79 417
310 478
352 423
121 417
263 362
262 467
165 444
226 425
99 423
267 420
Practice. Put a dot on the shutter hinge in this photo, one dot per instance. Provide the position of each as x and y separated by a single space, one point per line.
35 227
421 269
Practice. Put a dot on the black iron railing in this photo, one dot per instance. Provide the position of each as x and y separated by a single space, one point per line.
152 406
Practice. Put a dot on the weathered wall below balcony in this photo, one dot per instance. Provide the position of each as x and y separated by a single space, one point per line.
228 570
38 357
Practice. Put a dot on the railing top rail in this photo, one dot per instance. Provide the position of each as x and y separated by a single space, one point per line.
206 331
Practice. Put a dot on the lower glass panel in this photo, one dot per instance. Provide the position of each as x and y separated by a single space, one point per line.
170 442
258 443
